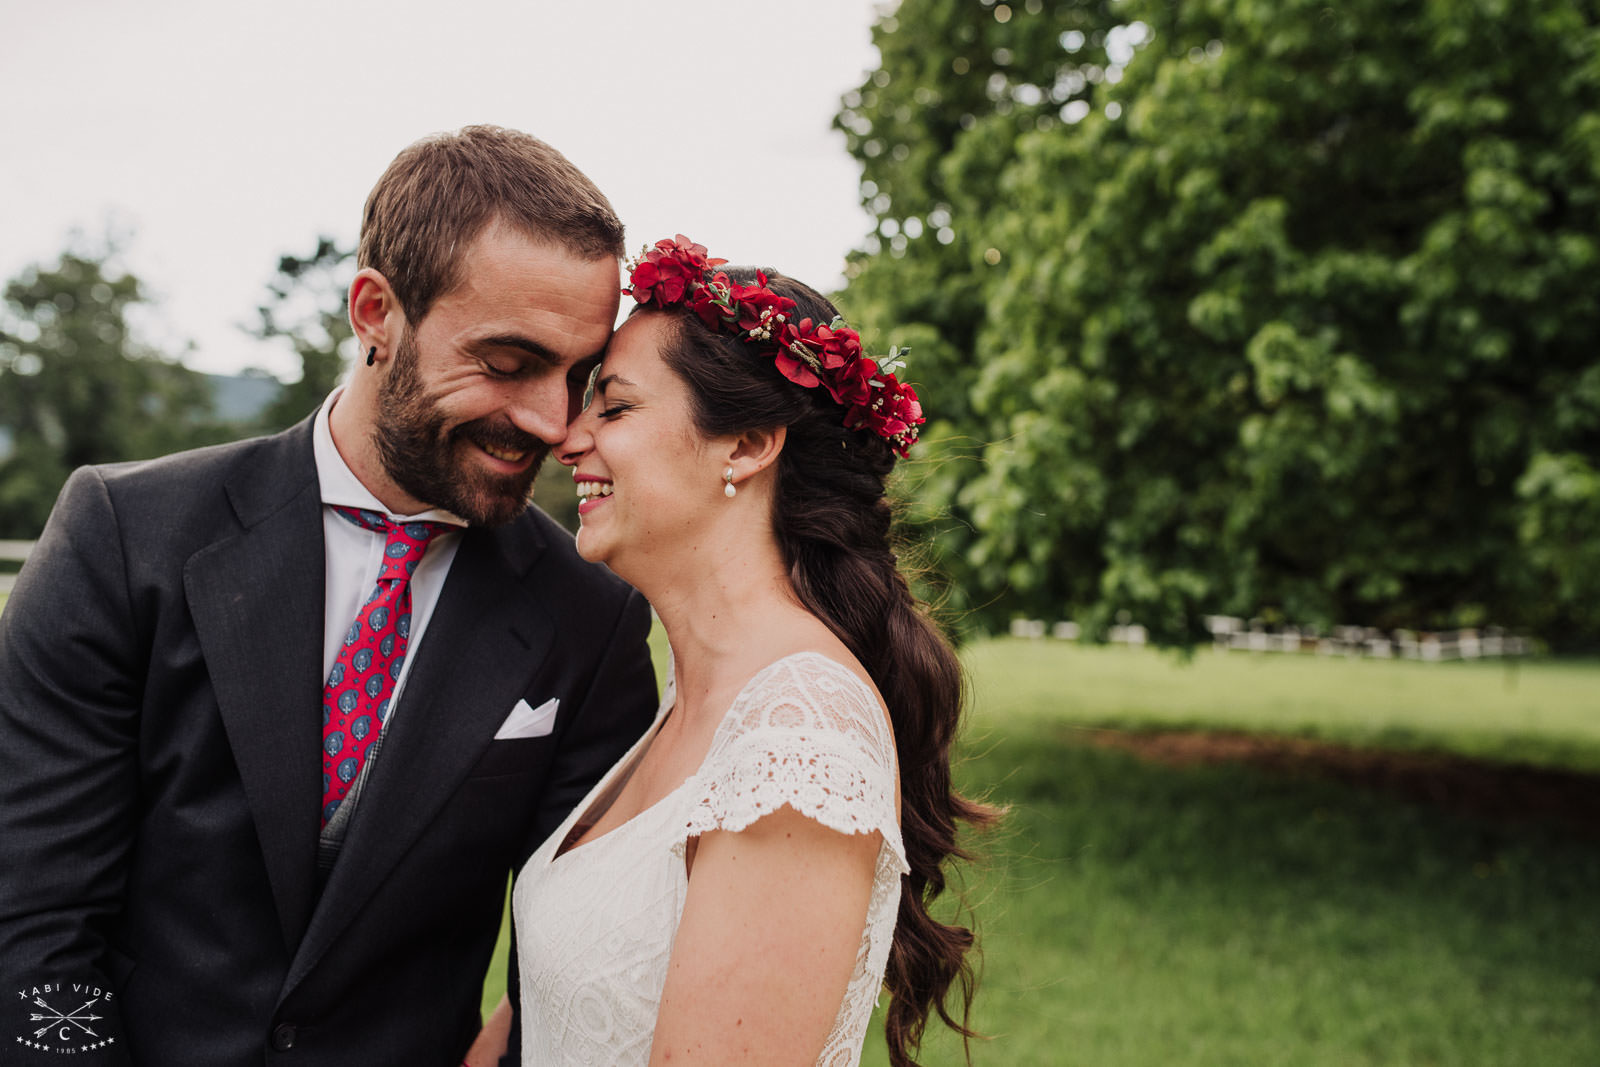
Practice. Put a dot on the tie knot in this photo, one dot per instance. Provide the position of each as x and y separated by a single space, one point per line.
404 542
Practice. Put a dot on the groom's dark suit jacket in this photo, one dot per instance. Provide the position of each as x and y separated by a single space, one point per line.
160 772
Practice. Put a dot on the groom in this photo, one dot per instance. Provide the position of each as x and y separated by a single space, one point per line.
278 718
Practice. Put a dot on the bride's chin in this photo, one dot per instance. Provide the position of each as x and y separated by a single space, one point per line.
624 565
595 549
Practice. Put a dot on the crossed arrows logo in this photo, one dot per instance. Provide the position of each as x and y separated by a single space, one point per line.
79 1017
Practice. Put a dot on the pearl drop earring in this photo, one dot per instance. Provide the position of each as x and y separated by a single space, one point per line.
729 490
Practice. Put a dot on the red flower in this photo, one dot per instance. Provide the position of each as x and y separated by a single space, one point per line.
790 364
893 413
901 408
899 416
852 383
837 347
757 303
710 300
669 270
843 348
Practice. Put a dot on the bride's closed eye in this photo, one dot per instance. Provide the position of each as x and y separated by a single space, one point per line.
615 409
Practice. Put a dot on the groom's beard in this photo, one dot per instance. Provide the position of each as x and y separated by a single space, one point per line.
420 455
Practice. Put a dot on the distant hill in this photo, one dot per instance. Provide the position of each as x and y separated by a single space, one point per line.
242 397
237 399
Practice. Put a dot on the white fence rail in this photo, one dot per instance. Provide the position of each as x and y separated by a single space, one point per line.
1231 634
12 552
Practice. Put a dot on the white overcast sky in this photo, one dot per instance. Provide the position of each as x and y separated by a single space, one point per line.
216 136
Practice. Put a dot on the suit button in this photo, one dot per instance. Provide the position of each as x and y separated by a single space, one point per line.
283 1037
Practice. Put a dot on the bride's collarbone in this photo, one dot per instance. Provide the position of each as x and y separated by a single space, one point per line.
673 756
677 751
660 770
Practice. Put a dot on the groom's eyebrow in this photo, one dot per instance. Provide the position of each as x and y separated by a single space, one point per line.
521 344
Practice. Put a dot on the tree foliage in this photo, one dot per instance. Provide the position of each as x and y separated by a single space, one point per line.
1285 309
77 387
306 307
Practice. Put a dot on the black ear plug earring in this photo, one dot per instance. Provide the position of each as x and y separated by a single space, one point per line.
372 355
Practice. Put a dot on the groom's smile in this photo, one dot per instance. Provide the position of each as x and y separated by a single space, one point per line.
505 456
480 389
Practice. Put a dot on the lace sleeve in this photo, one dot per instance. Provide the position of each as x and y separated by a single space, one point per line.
806 732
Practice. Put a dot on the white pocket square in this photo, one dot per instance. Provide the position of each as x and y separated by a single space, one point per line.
529 722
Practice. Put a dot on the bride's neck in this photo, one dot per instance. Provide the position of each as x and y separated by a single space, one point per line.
722 619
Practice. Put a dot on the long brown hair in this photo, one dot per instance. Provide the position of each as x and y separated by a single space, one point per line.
833 524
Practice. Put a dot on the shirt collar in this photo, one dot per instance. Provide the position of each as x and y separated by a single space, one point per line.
340 486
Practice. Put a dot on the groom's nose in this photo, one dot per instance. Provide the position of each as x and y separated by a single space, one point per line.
539 407
579 438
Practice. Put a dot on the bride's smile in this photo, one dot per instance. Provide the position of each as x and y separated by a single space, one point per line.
590 491
650 486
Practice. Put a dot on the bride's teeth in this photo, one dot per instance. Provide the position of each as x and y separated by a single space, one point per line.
592 490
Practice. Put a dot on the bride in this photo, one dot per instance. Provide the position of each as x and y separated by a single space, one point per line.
744 882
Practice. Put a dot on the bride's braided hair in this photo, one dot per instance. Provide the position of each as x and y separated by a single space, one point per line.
832 522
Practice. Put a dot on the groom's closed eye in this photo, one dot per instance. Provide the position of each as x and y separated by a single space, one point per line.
513 354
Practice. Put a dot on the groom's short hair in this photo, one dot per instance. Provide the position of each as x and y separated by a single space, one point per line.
441 192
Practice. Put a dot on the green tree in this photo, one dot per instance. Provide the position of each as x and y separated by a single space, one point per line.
960 84
77 387
306 307
1288 309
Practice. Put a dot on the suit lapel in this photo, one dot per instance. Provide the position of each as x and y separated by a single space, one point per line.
257 602
462 684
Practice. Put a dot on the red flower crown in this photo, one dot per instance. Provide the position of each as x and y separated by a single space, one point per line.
678 273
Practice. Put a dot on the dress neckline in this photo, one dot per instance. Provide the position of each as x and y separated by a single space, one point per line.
631 760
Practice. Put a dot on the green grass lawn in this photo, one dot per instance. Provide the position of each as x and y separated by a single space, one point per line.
1540 711
1135 914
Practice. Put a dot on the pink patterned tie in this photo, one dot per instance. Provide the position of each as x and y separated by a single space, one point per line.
355 701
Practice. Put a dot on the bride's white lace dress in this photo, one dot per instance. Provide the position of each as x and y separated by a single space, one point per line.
595 924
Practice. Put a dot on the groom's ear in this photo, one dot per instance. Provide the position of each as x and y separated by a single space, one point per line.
375 314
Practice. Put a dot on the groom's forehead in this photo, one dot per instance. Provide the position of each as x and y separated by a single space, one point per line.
509 276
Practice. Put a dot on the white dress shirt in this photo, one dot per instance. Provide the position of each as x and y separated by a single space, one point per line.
353 555
352 561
